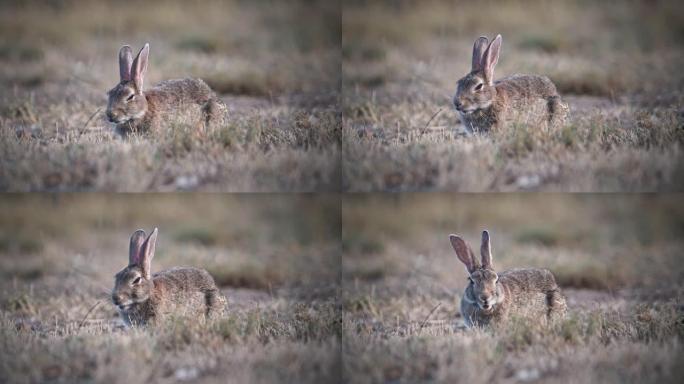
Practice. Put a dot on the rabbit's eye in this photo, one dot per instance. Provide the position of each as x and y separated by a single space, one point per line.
478 87
137 280
129 98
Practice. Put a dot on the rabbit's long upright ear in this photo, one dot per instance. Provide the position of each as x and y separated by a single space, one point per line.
139 67
148 254
478 51
125 62
486 251
464 253
490 58
135 249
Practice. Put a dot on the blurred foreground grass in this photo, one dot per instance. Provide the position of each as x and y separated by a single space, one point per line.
592 241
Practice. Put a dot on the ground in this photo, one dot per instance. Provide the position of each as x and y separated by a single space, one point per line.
615 65
278 76
615 257
57 322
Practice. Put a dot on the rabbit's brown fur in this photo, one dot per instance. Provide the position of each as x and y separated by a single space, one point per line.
143 298
493 298
485 104
136 110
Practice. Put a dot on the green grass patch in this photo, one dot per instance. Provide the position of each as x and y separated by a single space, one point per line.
15 51
545 236
246 274
541 43
200 44
20 244
358 242
196 235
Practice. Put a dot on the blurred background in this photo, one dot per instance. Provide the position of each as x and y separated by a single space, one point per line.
267 243
253 48
585 47
398 244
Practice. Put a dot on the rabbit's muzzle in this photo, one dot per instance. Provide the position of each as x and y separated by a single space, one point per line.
121 302
110 117
485 302
116 118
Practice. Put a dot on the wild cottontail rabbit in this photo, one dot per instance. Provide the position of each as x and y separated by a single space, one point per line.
142 297
134 109
491 297
485 104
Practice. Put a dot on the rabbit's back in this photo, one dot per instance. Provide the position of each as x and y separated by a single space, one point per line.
528 279
182 101
523 99
187 289
526 87
529 290
185 279
173 94
189 89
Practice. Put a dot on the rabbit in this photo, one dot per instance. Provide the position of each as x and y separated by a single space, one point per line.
491 297
134 109
485 104
142 297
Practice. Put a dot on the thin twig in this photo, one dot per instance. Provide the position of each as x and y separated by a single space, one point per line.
432 118
422 325
91 118
88 314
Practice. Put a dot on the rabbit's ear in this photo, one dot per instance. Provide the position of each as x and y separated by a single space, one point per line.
125 62
148 254
486 251
135 249
464 253
478 51
490 58
139 67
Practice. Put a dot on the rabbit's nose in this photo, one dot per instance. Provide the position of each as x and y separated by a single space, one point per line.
110 116
457 104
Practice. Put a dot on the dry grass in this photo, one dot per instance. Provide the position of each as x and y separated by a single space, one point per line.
59 255
616 258
279 82
615 64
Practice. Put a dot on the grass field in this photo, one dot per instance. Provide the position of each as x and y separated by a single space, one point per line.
617 259
275 257
615 63
275 65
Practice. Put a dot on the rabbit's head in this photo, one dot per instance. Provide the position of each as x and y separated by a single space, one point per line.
482 278
126 100
475 91
133 284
